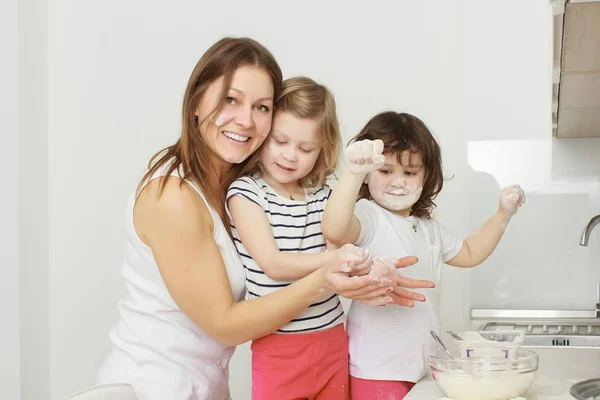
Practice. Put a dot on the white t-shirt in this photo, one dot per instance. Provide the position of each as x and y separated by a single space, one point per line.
392 342
296 226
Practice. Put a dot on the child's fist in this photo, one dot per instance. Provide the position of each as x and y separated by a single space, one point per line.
511 198
364 156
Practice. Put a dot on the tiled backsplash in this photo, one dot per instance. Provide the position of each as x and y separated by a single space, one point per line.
539 263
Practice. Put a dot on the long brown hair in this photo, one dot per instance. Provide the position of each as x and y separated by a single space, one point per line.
190 152
400 132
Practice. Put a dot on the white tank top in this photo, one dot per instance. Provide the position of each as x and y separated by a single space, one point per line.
154 343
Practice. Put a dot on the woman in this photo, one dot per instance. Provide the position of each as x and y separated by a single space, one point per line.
183 314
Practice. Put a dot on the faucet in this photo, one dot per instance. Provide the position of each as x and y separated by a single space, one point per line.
584 242
588 229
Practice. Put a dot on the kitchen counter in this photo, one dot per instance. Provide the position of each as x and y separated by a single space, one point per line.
559 368
544 387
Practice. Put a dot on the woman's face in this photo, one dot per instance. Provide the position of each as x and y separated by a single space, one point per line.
245 118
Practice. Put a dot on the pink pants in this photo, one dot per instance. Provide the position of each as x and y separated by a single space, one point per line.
366 389
311 366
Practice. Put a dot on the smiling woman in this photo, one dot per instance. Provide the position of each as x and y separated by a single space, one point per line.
183 315
244 120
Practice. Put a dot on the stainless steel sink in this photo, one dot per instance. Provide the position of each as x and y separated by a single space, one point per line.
586 390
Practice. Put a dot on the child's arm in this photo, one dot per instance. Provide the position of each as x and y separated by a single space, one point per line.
178 227
255 232
340 226
477 247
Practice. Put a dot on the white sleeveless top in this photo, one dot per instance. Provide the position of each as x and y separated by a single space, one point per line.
155 346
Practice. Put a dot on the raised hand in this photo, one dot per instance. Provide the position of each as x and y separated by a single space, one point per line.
364 156
511 198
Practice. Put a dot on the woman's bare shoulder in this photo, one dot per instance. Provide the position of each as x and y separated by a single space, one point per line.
177 202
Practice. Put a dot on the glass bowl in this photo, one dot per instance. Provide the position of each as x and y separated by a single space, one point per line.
486 377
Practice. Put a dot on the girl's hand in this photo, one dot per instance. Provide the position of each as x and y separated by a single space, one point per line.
385 268
347 275
511 198
370 289
364 156
400 295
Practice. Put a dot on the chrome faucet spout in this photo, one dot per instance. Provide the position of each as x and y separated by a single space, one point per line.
585 236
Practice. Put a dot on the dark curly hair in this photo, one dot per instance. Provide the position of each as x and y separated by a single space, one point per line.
400 132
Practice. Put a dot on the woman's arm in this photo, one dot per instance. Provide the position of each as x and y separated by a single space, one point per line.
178 228
256 234
479 246
340 225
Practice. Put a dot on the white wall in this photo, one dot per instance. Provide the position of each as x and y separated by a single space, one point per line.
117 71
478 72
10 377
33 198
506 106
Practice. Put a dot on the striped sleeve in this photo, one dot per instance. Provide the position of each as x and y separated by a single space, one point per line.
248 188
326 191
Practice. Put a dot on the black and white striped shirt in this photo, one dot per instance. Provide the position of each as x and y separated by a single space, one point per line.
296 228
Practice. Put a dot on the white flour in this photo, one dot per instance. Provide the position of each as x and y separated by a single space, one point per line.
500 385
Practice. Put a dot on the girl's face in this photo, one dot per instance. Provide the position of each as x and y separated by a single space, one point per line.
292 148
396 186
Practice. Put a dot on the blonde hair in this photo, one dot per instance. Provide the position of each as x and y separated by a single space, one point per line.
305 98
190 152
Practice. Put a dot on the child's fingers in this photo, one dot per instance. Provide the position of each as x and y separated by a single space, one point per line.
362 268
401 301
364 156
343 284
378 161
410 283
367 150
377 146
400 292
373 291
363 286
406 261
379 301
382 297
511 198
355 152
383 267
